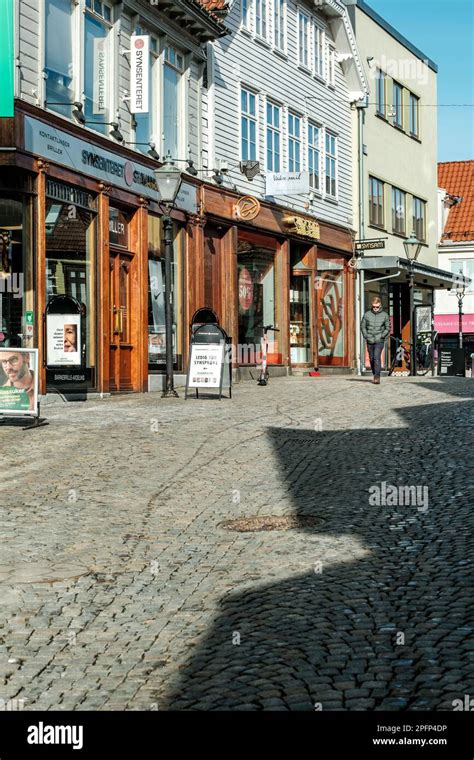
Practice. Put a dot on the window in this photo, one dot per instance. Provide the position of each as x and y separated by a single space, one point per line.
419 217
380 99
466 268
318 51
414 115
397 92
303 39
172 97
246 6
97 58
273 137
398 211
279 23
376 199
314 156
144 123
59 69
294 143
261 9
248 120
331 66
331 164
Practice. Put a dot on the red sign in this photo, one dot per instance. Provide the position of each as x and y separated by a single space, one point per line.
449 323
245 289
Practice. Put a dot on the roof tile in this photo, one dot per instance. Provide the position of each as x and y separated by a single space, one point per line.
457 178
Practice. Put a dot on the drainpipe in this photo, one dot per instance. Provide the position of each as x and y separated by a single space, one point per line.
359 299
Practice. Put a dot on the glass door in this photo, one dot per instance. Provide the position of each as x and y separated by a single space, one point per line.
300 319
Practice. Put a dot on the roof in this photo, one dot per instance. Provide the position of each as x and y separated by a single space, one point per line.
457 178
396 35
400 267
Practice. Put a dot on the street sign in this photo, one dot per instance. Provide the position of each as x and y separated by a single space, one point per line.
369 245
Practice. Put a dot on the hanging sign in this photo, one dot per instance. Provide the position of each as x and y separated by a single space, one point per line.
99 93
287 183
18 381
139 68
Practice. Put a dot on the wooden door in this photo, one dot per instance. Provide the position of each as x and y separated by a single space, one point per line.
121 344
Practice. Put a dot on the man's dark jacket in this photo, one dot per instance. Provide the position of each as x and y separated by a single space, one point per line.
375 326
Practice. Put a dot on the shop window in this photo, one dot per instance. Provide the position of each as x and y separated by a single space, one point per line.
71 255
256 286
97 66
59 69
16 270
156 297
172 101
331 318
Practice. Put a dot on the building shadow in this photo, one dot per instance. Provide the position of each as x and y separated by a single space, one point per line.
387 631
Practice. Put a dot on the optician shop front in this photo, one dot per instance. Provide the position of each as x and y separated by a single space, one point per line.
80 227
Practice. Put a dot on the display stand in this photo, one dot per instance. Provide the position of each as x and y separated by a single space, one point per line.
210 360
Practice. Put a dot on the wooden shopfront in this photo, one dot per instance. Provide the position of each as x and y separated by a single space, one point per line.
260 264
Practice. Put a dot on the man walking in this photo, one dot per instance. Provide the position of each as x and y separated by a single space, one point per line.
375 328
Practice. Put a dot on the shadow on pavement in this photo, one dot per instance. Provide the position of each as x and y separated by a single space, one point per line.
335 638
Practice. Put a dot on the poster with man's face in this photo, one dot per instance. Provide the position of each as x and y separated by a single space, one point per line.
63 342
18 381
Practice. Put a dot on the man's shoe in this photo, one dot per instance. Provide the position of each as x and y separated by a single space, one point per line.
377 380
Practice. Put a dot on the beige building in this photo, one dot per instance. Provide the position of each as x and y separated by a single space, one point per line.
395 170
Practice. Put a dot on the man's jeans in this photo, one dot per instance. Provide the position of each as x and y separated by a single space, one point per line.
375 352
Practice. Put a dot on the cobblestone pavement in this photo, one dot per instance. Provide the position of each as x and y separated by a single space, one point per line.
121 589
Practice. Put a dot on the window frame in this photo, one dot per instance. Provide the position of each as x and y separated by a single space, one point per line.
334 157
396 86
305 64
280 9
374 219
270 128
250 117
381 77
111 73
76 74
154 78
395 206
182 105
422 205
414 99
246 20
262 29
295 141
311 147
319 43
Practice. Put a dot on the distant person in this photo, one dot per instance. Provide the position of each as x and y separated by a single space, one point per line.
375 328
16 367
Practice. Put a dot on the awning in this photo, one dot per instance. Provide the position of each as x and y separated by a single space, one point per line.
399 269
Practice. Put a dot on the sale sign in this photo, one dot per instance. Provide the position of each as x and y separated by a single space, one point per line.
245 289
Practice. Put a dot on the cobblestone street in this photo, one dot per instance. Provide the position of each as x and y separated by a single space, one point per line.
121 588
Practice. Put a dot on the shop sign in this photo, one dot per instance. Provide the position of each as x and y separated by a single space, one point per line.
301 226
245 289
286 183
118 228
186 200
139 67
18 381
99 92
65 149
246 208
369 245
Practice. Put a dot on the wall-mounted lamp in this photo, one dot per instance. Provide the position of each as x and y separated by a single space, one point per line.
114 132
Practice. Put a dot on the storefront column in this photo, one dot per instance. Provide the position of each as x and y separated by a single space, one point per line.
194 273
103 260
140 319
229 286
282 275
41 269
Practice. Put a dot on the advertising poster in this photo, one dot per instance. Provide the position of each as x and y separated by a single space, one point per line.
18 381
63 344
205 365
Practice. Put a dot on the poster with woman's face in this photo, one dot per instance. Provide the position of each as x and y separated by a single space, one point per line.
63 340
18 381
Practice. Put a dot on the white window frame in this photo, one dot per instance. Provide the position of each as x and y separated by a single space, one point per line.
292 139
279 30
319 45
274 130
306 62
310 146
334 157
262 25
250 91
330 64
246 19
182 105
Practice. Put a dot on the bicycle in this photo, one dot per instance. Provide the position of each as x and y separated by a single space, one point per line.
264 375
423 357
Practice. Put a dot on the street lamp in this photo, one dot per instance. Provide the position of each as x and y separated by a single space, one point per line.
412 248
168 180
460 293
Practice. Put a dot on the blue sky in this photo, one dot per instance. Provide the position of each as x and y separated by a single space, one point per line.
444 31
